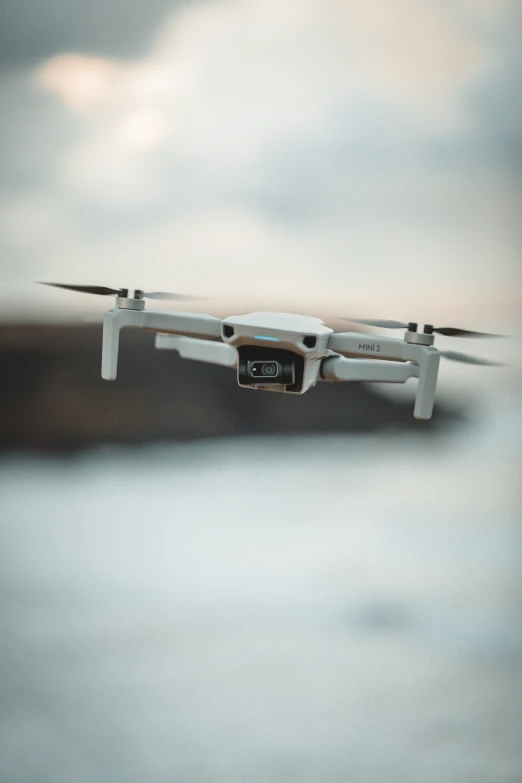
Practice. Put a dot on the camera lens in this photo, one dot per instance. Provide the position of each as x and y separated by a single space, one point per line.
255 370
264 370
269 368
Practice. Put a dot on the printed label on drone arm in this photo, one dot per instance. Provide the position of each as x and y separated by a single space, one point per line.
370 347
349 343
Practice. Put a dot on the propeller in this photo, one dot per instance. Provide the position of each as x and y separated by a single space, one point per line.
124 292
465 358
447 331
166 296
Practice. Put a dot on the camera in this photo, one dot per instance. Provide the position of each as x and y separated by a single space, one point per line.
260 366
277 352
271 371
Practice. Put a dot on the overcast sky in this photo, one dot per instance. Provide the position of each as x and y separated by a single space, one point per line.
356 155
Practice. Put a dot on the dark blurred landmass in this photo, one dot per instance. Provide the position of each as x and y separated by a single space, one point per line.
53 398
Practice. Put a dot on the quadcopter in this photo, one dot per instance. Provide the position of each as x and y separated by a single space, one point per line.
282 352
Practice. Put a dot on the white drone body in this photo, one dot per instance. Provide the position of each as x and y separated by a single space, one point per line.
276 338
296 350
282 352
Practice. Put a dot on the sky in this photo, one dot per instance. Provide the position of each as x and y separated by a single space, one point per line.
338 157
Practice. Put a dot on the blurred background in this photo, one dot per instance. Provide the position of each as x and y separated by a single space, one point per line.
199 583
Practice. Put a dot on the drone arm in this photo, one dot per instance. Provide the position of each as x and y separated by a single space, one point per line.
356 344
426 357
338 368
186 324
192 324
199 350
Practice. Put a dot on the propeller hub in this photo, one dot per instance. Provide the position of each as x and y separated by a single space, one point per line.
128 303
132 293
418 338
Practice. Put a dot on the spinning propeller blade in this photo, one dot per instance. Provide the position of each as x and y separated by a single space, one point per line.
103 291
465 358
86 289
165 296
447 331
376 322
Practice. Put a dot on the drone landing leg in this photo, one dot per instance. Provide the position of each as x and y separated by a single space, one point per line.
113 322
191 324
425 398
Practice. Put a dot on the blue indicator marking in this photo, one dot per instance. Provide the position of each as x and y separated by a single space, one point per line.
265 337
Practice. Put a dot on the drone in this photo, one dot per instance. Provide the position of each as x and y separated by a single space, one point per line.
282 352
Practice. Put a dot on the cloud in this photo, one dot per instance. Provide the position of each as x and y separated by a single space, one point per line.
294 146
287 62
31 31
228 87
82 82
